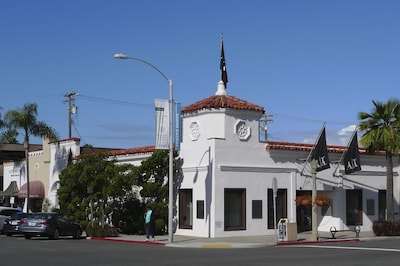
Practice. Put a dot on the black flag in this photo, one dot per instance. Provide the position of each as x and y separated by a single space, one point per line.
320 153
351 159
222 65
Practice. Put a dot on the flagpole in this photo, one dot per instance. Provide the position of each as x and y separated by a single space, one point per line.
347 148
315 143
222 64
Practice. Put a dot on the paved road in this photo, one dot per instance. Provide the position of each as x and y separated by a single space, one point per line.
41 251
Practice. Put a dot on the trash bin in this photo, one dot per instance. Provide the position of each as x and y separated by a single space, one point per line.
287 231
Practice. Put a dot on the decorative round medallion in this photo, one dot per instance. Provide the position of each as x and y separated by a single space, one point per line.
242 130
194 131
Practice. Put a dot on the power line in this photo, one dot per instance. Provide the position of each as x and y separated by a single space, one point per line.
99 99
294 118
282 116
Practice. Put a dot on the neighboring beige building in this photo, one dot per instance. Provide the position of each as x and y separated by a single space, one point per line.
45 166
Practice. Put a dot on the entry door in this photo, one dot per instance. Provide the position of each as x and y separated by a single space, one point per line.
281 206
354 207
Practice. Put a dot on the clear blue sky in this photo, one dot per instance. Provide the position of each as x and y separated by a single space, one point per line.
305 62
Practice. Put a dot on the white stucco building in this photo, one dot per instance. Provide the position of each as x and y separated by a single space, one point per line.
226 188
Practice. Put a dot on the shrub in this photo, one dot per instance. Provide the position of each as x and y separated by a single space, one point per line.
386 228
127 216
97 230
160 227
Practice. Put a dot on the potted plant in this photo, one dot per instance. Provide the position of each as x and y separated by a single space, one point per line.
303 200
323 200
306 200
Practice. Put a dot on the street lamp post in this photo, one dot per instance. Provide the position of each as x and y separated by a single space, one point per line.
171 143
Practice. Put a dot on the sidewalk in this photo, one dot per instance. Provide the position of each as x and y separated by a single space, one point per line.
238 242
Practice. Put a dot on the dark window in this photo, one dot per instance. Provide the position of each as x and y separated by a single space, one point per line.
200 209
354 207
256 212
235 209
370 207
185 209
281 206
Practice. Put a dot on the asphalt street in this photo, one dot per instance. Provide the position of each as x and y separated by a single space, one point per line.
66 251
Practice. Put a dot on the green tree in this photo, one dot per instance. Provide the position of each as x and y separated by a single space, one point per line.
381 128
153 178
9 137
96 177
90 181
25 120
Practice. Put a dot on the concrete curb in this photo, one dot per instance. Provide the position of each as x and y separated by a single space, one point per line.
223 245
127 241
286 243
218 245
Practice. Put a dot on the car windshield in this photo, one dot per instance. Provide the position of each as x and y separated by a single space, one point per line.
18 215
44 216
8 212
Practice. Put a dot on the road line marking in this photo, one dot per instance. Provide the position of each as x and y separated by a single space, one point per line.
354 248
216 245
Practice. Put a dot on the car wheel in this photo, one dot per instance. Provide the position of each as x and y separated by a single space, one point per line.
27 236
77 234
55 235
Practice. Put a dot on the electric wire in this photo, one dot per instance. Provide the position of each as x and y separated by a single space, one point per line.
270 115
119 102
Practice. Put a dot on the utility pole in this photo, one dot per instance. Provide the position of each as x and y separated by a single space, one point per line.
263 127
71 110
314 217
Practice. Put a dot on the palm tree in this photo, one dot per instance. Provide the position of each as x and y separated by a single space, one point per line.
382 133
8 135
25 119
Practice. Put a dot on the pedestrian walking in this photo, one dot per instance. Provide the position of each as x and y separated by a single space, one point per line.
149 221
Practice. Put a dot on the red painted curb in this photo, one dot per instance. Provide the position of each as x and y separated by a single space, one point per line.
316 242
128 241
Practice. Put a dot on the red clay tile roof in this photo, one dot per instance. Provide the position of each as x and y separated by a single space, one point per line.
118 152
272 145
222 101
145 149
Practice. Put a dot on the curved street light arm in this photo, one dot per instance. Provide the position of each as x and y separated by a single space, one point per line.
123 56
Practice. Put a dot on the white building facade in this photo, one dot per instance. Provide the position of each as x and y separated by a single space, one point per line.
228 174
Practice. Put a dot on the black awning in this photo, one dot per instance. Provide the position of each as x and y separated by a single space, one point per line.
11 191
